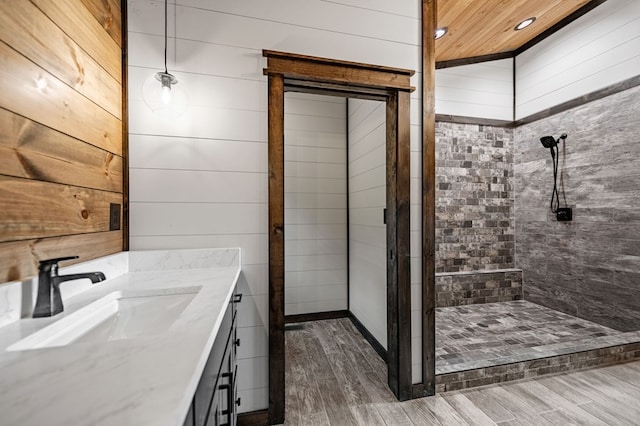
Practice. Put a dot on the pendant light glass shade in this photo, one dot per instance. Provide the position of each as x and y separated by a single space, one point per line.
162 94
160 91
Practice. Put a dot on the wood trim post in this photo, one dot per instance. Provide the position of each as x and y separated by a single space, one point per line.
393 357
429 14
403 240
398 246
125 127
276 249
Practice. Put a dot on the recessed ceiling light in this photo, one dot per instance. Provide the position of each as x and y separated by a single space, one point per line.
524 24
441 32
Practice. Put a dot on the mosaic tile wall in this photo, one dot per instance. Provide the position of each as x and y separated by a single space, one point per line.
590 267
474 198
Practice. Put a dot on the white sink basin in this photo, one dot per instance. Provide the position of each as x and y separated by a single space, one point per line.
118 315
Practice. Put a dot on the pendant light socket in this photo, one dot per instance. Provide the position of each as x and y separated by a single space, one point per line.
164 97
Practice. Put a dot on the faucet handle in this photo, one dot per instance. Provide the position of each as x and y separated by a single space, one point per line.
48 264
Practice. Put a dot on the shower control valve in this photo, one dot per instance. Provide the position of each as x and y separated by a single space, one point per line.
564 214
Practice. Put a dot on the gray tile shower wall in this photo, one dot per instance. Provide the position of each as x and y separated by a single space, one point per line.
589 267
471 288
474 198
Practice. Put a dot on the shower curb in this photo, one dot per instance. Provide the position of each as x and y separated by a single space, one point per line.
537 367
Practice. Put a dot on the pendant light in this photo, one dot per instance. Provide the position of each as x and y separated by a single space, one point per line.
160 92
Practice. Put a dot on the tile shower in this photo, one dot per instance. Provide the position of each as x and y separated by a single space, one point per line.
519 294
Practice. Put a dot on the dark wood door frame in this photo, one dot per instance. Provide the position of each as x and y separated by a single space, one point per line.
299 73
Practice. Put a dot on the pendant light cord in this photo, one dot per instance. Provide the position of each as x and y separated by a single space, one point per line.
165 37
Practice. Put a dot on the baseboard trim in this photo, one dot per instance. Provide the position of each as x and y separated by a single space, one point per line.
316 316
380 350
254 418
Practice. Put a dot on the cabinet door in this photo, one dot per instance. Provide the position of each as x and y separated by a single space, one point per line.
235 343
235 401
203 398
225 389
214 413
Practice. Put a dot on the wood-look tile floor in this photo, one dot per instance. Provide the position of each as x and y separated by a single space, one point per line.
333 377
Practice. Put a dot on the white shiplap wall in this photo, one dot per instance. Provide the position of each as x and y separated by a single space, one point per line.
200 180
598 49
315 215
367 231
483 90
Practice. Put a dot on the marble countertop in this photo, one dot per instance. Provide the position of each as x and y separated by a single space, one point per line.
148 380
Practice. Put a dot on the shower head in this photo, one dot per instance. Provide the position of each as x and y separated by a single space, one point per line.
549 141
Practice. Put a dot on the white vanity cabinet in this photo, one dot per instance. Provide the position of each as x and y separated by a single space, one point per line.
215 402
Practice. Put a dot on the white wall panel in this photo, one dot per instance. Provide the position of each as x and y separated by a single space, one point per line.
180 153
218 146
314 185
314 123
254 280
225 27
312 154
254 246
188 186
312 201
327 16
254 341
315 232
257 369
599 49
197 219
367 232
405 8
326 276
253 311
316 170
315 247
483 90
200 122
315 141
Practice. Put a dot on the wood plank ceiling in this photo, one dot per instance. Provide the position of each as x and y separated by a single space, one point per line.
485 27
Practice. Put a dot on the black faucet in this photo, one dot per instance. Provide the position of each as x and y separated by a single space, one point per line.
49 301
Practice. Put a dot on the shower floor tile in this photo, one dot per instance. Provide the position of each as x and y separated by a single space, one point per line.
474 336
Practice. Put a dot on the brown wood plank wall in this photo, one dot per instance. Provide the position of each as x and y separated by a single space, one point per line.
62 161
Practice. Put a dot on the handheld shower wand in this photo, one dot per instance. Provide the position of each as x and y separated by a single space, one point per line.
552 143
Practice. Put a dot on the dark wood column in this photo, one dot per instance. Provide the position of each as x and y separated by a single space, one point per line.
398 246
276 249
429 14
